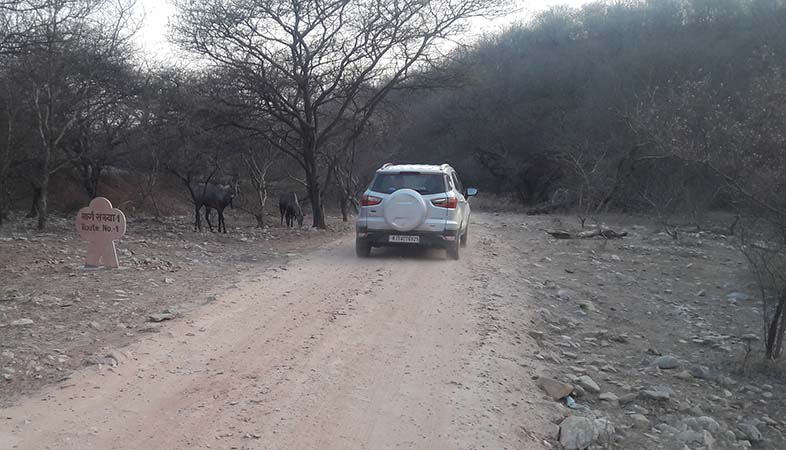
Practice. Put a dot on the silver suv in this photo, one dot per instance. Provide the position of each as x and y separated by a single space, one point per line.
414 204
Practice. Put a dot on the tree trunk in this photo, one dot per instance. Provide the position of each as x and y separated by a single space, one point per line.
314 191
41 205
34 204
90 174
343 203
776 330
260 220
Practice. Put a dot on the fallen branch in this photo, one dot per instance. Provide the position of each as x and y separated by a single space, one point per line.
605 233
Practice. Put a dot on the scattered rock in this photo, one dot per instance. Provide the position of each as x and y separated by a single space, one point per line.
684 375
577 433
628 398
728 435
666 428
7 354
102 360
160 317
666 362
537 335
553 329
640 421
660 393
708 423
555 389
563 294
588 305
588 383
750 432
21 322
604 430
769 420
609 397
701 372
169 280
690 437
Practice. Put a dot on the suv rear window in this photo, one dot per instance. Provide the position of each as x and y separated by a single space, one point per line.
423 183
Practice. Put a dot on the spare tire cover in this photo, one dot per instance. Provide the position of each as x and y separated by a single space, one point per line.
405 210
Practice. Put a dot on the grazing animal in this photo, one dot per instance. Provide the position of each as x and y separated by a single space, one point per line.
290 209
212 196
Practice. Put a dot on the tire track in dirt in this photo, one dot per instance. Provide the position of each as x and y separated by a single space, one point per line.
335 352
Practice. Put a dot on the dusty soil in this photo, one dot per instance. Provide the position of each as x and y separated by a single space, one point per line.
285 340
79 314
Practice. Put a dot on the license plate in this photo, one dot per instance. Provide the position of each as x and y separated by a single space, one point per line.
404 239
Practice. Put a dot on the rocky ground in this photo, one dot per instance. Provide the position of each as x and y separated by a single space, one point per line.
528 342
57 317
645 338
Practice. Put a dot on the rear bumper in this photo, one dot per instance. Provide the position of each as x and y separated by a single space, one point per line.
377 238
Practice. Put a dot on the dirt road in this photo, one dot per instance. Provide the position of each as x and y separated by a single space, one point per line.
331 352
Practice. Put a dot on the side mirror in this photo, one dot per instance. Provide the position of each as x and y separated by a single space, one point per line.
471 192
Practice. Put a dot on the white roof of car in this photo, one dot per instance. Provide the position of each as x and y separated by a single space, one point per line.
423 168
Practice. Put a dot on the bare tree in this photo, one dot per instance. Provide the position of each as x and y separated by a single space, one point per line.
305 63
76 48
258 163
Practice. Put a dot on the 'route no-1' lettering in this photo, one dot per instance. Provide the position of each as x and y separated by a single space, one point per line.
101 224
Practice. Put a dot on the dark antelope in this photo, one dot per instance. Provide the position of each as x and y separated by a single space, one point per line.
290 209
212 196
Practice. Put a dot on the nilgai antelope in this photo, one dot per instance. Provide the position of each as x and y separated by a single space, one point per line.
212 196
290 209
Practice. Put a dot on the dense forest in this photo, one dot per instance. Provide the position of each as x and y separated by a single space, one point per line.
659 106
652 106
664 107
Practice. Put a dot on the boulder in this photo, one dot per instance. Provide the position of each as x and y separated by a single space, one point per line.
701 372
577 433
750 432
555 389
666 362
659 393
640 421
609 397
708 423
588 384
160 317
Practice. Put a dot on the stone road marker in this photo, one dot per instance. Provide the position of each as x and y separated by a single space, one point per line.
100 224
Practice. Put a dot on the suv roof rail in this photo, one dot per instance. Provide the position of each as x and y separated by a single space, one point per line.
445 166
387 164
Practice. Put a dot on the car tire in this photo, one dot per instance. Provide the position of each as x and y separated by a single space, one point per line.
464 237
453 248
362 248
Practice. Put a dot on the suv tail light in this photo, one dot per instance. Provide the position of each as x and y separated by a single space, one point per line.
369 200
449 202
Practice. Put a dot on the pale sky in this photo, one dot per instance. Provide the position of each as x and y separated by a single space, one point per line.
152 36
